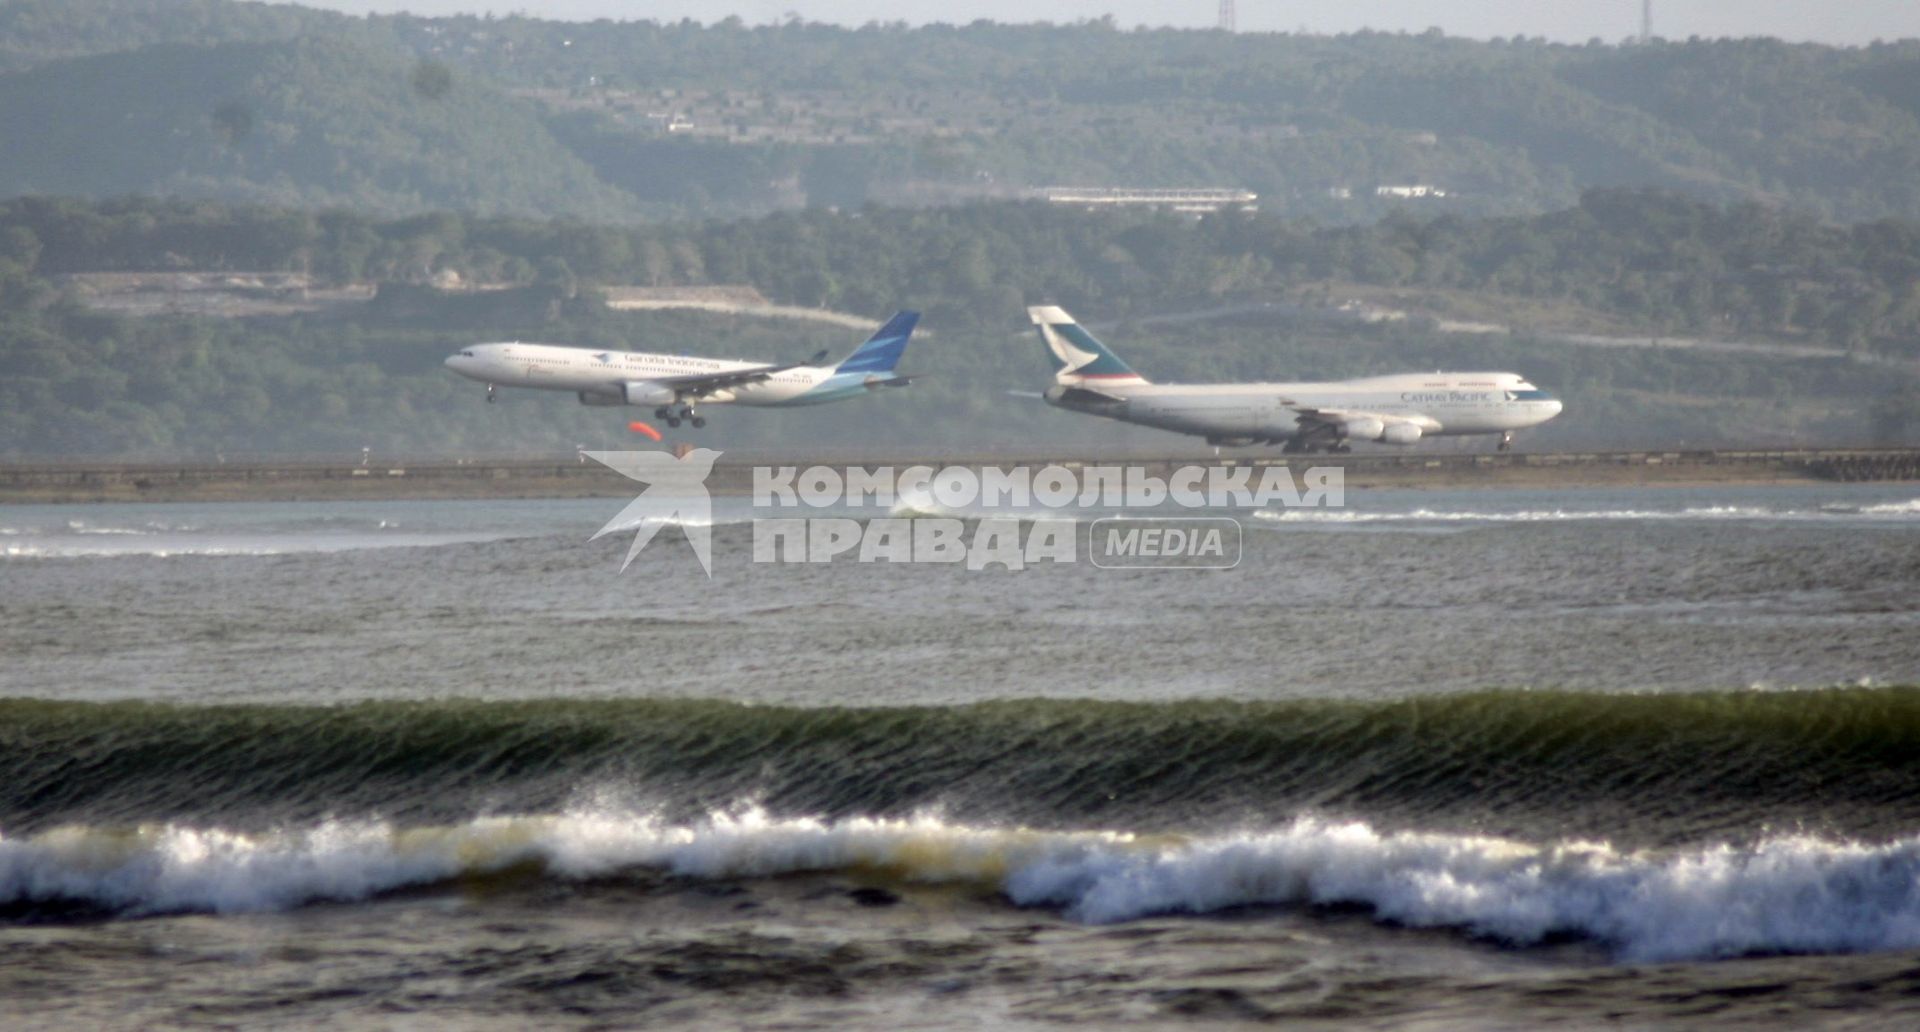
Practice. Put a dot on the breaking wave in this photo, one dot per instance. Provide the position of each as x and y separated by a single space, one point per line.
1780 895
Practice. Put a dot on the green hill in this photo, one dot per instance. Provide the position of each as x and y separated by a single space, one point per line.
319 122
36 32
1187 301
632 120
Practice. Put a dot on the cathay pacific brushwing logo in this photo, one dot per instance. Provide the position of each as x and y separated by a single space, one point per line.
1064 350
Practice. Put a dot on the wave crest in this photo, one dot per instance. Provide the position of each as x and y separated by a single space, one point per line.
1788 894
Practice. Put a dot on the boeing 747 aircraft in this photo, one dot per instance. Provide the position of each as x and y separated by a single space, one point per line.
673 385
1303 417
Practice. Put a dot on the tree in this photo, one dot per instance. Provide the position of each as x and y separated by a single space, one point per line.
431 79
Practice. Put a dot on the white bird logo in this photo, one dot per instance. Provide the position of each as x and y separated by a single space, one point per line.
1074 357
676 495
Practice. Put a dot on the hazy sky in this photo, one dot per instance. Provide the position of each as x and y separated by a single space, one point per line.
1827 21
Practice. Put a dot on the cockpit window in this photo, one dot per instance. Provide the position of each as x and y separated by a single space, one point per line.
1529 394
467 353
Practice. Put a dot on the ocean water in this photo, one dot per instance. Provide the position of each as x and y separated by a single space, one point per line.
1487 759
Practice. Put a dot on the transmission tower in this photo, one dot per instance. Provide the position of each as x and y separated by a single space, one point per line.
1646 21
1226 15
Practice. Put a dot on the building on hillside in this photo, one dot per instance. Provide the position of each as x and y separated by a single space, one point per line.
1188 200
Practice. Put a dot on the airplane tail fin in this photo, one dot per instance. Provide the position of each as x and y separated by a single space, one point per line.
882 351
1078 357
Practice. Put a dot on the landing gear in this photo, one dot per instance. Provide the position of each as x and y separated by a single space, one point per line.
1316 439
1506 442
677 414
490 398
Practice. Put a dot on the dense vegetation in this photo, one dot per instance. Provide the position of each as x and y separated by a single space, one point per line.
313 122
1715 189
76 381
1647 261
517 115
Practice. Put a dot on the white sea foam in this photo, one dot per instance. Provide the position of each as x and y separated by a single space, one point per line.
78 551
82 527
1790 894
664 521
163 545
1709 512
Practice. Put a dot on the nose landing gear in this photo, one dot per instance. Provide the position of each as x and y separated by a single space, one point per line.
1506 441
490 398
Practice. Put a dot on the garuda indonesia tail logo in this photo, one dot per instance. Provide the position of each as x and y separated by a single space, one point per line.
676 495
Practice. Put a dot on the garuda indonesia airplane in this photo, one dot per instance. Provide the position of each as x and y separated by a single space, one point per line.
1303 417
673 385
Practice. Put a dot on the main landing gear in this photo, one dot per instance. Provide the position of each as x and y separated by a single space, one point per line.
1316 439
674 414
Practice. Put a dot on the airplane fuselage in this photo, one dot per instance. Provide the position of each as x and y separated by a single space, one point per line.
623 377
1439 404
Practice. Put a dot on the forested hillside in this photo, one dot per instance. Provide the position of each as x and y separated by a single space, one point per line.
78 381
322 121
1699 242
690 120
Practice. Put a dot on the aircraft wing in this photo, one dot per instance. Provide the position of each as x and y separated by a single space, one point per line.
702 384
1335 416
1361 424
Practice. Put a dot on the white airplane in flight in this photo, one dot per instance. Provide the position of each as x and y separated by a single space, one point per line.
1303 417
674 384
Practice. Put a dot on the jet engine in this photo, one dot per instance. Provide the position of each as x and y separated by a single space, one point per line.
1366 428
1400 433
646 392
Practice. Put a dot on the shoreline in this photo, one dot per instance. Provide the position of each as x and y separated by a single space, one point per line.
572 477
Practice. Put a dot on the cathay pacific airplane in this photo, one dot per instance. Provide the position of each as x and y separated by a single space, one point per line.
1303 417
674 384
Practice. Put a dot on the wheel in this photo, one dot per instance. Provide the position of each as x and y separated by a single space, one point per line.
674 422
699 421
662 412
